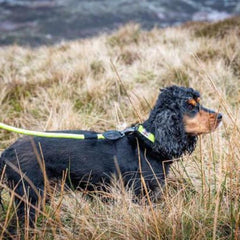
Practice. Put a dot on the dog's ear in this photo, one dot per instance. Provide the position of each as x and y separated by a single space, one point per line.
171 140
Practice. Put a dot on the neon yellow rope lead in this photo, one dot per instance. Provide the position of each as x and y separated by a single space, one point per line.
45 134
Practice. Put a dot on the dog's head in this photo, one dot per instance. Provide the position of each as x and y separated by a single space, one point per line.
196 118
178 118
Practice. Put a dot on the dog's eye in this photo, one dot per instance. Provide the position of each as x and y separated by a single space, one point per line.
190 106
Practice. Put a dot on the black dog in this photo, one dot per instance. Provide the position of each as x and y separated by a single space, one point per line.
170 131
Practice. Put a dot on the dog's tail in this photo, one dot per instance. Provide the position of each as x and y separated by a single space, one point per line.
1 179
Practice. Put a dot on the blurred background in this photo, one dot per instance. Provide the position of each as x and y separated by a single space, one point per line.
37 22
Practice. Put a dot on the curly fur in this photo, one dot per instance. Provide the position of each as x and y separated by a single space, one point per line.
166 122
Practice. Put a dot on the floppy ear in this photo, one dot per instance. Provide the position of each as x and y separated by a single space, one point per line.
170 138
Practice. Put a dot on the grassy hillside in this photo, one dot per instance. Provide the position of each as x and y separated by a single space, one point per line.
75 85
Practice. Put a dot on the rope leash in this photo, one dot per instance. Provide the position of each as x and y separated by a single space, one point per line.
45 134
110 135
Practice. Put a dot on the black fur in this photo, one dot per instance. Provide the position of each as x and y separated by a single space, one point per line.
91 162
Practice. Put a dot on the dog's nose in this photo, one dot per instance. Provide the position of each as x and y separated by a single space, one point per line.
219 117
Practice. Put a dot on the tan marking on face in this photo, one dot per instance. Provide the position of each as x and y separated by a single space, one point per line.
198 100
192 102
202 123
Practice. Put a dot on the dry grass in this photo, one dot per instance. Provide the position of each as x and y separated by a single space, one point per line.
74 86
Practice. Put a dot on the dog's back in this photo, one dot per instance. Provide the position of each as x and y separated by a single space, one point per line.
87 161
